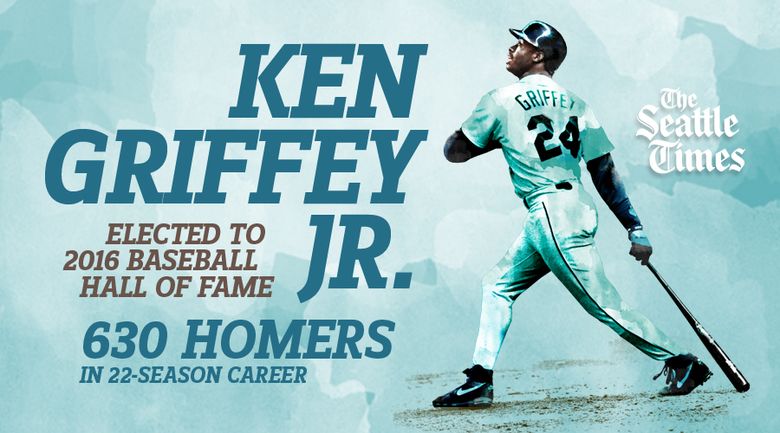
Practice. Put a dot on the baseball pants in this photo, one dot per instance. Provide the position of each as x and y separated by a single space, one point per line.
558 237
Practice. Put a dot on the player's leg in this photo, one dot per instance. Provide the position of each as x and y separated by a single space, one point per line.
509 278
518 270
581 271
570 223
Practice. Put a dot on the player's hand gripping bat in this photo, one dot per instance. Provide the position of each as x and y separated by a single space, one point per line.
732 372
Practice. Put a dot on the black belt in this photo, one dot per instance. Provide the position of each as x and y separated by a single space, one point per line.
562 185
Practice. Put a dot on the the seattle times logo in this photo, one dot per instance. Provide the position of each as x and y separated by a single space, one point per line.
671 136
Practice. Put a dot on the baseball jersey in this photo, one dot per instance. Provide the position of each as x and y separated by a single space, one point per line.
543 129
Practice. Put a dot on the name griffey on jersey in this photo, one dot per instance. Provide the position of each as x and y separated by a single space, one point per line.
540 98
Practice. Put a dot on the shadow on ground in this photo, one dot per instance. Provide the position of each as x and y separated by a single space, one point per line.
574 407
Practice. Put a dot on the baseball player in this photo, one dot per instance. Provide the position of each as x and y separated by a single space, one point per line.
543 131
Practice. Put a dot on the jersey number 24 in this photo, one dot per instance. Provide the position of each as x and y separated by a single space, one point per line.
570 137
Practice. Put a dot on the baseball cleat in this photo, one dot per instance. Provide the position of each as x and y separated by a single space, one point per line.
683 374
476 392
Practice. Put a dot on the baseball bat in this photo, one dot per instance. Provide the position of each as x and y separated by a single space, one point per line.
732 372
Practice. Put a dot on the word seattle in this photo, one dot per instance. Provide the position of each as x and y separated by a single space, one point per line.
142 153
693 122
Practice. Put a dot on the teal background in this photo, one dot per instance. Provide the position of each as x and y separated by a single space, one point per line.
175 65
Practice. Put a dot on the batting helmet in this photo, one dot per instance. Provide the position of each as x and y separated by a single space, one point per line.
545 38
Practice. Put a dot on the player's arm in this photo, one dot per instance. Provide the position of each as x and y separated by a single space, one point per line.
611 189
478 134
458 148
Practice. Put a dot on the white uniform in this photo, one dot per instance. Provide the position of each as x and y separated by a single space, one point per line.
544 130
